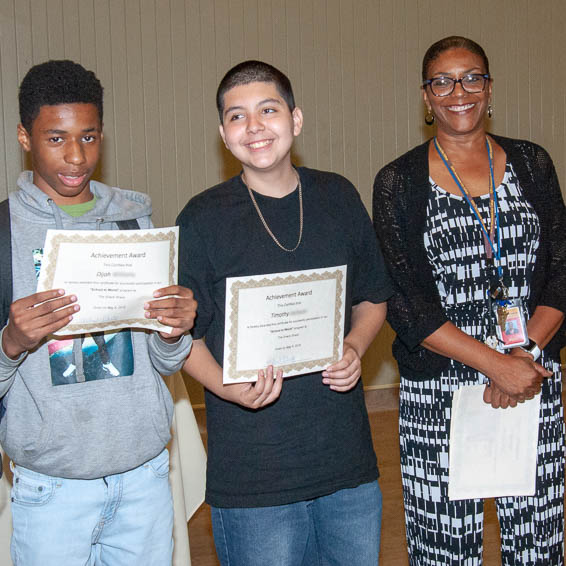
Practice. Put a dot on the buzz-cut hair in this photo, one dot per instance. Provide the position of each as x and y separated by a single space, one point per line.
251 72
57 82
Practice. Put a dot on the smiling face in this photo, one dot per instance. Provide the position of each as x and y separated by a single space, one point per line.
461 112
259 128
65 147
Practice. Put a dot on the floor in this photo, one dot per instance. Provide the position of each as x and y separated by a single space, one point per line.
383 420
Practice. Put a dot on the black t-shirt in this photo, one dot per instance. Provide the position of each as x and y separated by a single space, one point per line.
312 441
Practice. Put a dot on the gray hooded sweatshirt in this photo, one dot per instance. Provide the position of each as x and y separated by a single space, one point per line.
75 427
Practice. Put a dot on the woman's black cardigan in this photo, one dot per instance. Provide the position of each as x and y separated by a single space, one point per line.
400 196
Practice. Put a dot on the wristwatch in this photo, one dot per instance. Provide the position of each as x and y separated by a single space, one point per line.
532 349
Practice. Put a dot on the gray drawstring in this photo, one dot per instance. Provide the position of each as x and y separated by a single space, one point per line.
56 213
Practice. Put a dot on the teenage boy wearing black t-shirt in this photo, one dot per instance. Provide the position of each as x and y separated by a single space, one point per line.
292 475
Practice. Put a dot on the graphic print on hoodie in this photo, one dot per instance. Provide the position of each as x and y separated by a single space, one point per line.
99 355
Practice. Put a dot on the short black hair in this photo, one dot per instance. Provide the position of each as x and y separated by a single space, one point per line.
250 72
57 82
452 42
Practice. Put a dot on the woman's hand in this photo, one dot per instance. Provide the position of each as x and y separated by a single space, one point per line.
493 396
514 375
517 376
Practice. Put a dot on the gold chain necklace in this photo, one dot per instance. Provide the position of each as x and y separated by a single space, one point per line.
268 230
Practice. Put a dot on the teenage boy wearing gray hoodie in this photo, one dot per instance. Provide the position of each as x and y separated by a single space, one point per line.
86 420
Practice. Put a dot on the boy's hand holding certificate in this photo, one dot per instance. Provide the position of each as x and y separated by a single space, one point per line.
293 321
113 273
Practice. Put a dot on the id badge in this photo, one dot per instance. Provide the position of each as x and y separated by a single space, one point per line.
511 327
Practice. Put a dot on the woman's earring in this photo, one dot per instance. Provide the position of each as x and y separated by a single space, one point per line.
429 118
489 111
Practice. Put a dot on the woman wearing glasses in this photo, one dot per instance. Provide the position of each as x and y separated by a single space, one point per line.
473 227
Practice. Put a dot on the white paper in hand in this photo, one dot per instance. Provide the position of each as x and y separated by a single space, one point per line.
493 452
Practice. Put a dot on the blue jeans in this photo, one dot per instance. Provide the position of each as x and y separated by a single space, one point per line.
119 520
341 529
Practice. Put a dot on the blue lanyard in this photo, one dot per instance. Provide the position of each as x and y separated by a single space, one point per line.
466 195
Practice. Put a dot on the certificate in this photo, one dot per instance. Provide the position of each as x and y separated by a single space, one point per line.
113 273
293 321
493 452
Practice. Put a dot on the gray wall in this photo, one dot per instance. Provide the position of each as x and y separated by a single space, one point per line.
354 64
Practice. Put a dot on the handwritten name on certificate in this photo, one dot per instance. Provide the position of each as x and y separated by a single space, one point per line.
293 321
113 273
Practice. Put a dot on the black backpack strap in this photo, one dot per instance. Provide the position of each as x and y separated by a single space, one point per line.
5 262
128 224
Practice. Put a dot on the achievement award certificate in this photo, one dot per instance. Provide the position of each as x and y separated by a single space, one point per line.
293 321
112 273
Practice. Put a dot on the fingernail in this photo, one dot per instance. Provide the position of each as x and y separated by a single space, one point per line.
146 305
60 291
156 294
76 308
146 315
326 381
73 298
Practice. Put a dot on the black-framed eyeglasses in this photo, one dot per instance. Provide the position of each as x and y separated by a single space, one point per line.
444 86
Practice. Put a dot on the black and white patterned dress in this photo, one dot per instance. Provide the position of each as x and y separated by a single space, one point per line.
440 531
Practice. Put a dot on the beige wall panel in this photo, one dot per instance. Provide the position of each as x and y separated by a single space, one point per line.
347 81
319 120
558 110
181 108
104 53
293 62
265 30
308 91
212 144
166 112
10 159
5 44
280 38
337 155
236 14
251 29
222 37
362 97
375 81
87 34
387 86
55 31
40 43
70 17
354 64
196 59
22 30
120 95
135 110
412 77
